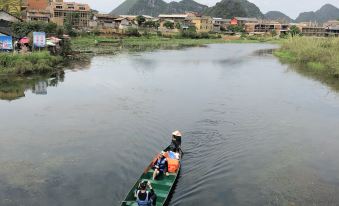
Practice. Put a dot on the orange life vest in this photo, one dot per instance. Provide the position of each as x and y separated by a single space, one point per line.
173 164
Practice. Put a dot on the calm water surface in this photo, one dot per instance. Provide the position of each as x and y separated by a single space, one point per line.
255 132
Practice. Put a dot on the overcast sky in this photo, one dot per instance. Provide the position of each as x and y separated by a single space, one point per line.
289 7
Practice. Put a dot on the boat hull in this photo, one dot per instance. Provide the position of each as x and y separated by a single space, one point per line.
164 186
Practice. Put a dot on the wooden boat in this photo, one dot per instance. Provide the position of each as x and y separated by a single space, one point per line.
163 186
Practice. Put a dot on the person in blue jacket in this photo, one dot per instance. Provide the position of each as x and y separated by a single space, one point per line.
160 166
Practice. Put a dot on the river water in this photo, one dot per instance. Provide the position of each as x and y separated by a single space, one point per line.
255 131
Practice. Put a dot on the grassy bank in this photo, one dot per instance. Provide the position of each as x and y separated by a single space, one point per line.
43 62
318 56
111 45
31 63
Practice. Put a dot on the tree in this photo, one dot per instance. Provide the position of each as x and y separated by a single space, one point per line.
294 31
132 32
68 25
140 20
274 33
169 25
21 29
178 25
236 28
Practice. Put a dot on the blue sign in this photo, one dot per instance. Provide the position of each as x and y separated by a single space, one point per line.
6 43
39 39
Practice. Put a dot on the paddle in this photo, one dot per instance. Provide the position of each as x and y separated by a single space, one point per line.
151 164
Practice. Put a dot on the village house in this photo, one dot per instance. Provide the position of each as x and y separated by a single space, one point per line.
241 21
78 14
220 24
38 15
38 10
103 21
313 31
37 4
332 23
202 23
266 27
134 17
6 20
172 17
124 23
176 19
332 31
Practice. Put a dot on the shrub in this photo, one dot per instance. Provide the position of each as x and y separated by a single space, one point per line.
169 25
132 32
37 62
204 35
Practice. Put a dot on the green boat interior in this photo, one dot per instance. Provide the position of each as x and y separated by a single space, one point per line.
162 187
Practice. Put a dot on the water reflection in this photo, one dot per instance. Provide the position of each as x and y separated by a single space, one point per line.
13 88
254 134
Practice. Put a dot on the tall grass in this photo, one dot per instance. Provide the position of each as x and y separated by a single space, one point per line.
99 45
37 62
318 55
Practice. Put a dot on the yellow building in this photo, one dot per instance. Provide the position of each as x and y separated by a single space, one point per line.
79 14
202 23
11 6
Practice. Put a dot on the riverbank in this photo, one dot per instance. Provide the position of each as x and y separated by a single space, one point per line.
30 63
316 56
111 45
81 47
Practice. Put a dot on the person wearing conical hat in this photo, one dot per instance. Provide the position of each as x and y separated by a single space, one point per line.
176 140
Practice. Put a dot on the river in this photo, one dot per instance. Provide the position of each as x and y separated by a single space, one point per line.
255 132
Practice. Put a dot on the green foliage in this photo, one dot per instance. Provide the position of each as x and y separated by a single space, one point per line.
192 34
152 24
204 35
21 29
232 8
66 47
284 35
178 25
140 19
294 31
147 34
319 55
236 28
68 25
138 7
132 32
37 62
189 34
169 25
274 33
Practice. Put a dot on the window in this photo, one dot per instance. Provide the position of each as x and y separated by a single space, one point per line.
57 14
81 8
59 7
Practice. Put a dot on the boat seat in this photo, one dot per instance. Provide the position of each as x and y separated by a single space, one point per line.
159 182
131 203
170 174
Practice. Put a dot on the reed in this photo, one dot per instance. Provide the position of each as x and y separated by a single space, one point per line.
317 55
